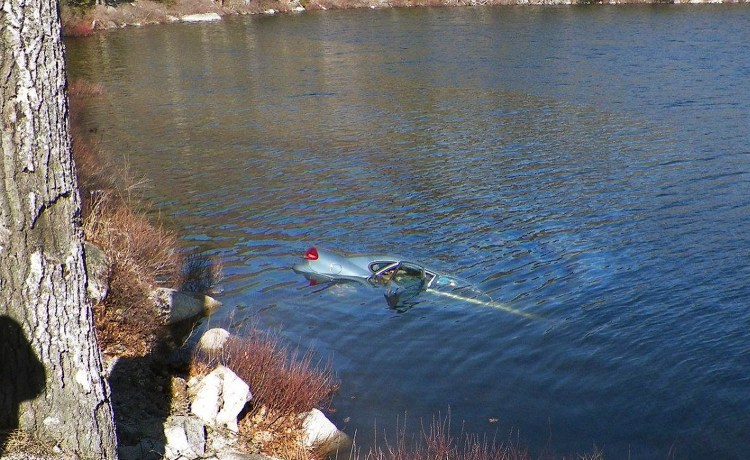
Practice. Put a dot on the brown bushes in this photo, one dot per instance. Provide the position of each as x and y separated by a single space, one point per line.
284 383
78 27
142 254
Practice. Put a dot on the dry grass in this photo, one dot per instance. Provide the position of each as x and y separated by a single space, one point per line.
143 256
284 383
597 454
435 442
143 253
23 442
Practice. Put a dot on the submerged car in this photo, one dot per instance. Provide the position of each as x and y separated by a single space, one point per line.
403 279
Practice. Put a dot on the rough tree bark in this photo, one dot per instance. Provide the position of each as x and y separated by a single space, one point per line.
51 383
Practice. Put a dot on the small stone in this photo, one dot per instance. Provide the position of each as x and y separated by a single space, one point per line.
213 339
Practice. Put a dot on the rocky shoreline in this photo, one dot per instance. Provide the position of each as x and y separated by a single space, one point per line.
146 12
161 411
204 420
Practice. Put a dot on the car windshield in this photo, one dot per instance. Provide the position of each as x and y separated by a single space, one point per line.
407 274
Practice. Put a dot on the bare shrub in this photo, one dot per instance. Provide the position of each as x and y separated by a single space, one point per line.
146 250
283 381
597 454
284 384
142 253
435 442
143 256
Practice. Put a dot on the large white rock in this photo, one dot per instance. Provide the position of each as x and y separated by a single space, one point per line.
206 402
219 397
318 430
178 306
201 17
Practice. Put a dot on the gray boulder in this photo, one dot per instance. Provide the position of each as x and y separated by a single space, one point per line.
178 306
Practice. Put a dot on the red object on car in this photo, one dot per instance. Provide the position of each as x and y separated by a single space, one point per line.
311 254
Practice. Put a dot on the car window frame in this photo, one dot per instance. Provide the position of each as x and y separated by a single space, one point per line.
429 275
389 264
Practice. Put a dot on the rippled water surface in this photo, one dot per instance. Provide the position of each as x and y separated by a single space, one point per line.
589 166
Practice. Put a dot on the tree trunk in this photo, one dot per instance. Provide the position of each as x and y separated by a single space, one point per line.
51 381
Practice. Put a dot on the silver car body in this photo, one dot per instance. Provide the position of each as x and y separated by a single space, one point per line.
324 265
402 278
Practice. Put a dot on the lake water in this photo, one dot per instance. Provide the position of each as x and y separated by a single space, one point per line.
589 166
